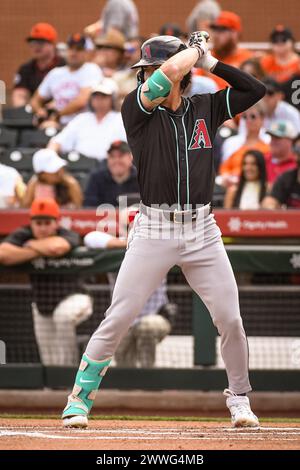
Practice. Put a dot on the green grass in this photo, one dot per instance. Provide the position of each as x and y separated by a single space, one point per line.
146 418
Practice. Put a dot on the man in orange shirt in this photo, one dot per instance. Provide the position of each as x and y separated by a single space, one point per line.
226 31
283 62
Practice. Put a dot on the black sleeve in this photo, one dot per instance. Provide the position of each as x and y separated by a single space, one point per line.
21 78
281 188
245 91
72 237
92 196
19 236
134 115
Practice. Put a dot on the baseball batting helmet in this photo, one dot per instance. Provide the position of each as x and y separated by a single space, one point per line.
157 50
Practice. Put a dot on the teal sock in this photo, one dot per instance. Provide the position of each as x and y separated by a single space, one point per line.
87 382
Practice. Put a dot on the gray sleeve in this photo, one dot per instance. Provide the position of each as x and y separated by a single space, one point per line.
114 15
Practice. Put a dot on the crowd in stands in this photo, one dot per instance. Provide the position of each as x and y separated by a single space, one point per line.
62 134
63 146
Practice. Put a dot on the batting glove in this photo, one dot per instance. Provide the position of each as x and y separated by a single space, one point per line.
199 40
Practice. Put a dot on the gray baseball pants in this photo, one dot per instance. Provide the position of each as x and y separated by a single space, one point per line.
155 245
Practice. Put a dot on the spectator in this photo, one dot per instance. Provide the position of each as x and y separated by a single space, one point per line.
92 133
110 52
226 31
126 79
12 187
247 127
231 167
117 14
202 15
283 61
58 304
42 43
251 189
201 85
276 108
68 87
286 189
51 180
106 185
253 67
281 157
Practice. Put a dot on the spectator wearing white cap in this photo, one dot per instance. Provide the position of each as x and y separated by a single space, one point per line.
67 87
92 133
281 157
52 181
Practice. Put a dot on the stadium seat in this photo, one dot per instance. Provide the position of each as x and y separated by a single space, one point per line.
20 159
78 162
37 138
18 117
80 166
8 138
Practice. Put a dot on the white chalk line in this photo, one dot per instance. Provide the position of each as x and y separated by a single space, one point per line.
139 438
257 434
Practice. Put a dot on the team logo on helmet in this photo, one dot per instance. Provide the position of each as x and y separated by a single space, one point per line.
147 52
200 137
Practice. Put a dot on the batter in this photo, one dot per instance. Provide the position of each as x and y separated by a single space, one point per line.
171 139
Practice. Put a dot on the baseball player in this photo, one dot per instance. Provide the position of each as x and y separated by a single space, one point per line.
171 140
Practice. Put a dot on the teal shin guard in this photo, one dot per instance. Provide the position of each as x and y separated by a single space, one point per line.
87 382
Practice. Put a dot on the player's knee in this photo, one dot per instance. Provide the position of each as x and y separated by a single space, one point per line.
230 324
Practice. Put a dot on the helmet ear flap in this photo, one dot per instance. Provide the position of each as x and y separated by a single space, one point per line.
140 77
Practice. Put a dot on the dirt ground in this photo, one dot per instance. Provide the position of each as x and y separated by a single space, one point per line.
48 434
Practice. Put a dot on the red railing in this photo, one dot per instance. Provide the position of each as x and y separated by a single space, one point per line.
233 223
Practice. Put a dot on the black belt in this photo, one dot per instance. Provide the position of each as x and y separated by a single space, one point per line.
177 217
182 217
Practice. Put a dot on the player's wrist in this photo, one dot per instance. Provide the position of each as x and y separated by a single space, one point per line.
199 51
207 62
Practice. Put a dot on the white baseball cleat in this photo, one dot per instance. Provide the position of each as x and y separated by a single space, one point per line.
78 421
241 414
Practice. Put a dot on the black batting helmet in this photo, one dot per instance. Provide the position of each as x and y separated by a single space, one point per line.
157 50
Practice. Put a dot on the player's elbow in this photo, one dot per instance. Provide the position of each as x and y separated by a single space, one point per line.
172 71
260 90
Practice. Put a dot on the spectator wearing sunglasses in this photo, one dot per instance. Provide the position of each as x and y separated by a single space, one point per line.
251 189
254 118
42 44
283 61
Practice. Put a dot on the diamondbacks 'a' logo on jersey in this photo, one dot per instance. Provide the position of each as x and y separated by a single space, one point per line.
200 137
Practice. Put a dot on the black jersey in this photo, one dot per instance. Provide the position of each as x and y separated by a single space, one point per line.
173 150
